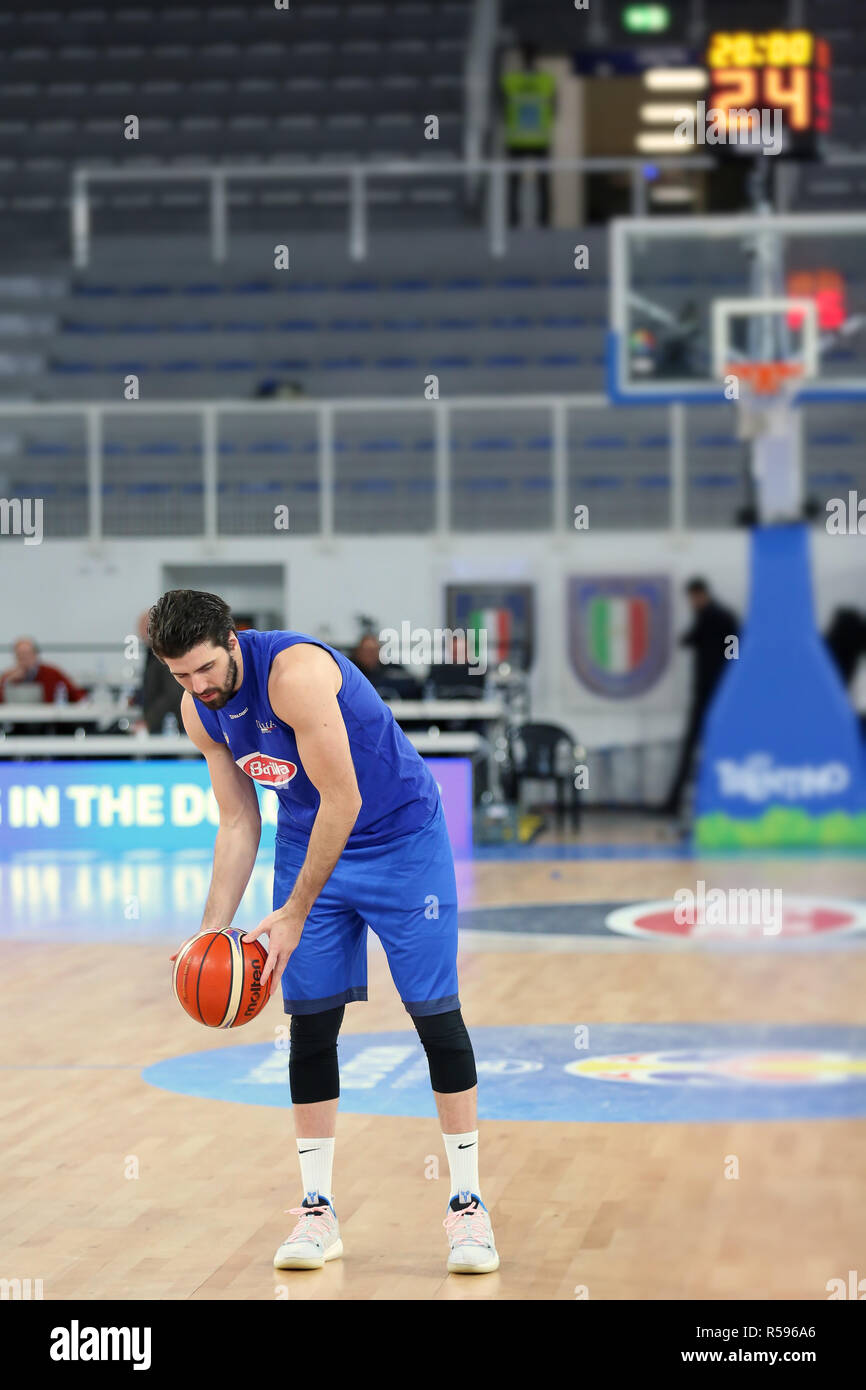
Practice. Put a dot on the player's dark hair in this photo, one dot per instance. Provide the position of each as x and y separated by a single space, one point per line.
697 586
183 618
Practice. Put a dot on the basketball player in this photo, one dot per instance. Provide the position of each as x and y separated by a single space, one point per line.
361 839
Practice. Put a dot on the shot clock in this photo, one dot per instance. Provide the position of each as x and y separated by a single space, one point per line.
780 70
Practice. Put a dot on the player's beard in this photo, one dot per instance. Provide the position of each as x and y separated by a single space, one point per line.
227 691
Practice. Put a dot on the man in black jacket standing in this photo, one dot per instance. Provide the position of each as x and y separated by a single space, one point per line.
713 626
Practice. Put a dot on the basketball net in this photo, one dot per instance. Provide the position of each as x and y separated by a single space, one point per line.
767 418
767 390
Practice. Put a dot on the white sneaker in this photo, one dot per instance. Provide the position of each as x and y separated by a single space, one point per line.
315 1239
471 1235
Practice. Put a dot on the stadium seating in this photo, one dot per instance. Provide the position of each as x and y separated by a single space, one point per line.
218 84
484 326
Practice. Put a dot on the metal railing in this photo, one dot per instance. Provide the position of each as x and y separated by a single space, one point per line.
212 414
357 177
478 77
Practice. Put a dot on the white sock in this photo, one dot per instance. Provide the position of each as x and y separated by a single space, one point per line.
316 1157
462 1151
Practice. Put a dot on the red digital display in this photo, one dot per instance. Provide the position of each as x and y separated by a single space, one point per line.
827 288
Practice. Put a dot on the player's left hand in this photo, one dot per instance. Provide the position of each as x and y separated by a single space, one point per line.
284 933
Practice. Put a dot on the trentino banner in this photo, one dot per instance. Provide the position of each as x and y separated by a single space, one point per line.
782 760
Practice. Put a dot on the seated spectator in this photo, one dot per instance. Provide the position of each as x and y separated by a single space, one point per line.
29 670
455 677
272 389
391 681
159 694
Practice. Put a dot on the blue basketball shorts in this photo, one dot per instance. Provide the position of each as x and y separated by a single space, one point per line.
406 892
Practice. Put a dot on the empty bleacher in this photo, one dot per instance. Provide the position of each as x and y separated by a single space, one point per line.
528 324
235 84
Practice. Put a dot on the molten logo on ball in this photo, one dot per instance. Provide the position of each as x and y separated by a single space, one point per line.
217 978
255 991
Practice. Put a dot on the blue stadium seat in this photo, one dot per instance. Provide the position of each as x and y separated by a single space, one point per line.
716 441
485 484
256 487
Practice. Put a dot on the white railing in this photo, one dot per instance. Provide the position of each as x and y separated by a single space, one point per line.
212 413
357 177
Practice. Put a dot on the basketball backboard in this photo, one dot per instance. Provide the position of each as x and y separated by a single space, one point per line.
691 296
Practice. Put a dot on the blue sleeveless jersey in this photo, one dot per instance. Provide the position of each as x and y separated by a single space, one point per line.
398 792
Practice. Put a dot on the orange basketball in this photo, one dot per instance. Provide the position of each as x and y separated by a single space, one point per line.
217 978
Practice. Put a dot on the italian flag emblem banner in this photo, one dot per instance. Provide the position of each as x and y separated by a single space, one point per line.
504 612
619 632
496 622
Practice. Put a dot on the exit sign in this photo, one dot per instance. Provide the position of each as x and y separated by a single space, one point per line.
646 19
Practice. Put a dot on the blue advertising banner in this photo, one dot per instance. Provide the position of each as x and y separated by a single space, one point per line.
782 760
122 805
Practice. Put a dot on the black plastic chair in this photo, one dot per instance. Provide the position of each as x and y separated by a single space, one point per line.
546 753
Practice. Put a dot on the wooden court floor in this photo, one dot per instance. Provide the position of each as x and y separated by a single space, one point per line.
111 1188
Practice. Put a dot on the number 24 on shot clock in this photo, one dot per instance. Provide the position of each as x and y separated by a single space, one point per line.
787 70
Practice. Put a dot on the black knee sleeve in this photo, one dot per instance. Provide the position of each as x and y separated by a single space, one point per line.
313 1071
449 1051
